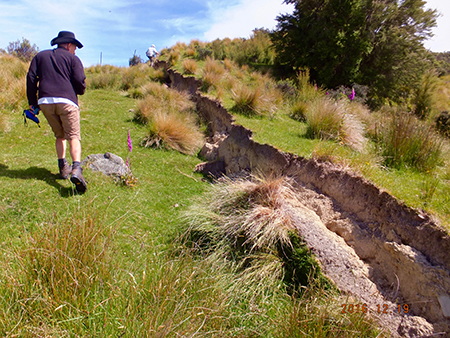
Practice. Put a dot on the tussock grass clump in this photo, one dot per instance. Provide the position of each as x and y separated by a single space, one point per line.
64 268
122 78
173 131
228 64
134 77
210 79
305 90
170 119
246 99
251 222
213 66
190 52
103 81
159 97
329 119
298 111
189 66
212 74
102 77
407 142
247 224
12 84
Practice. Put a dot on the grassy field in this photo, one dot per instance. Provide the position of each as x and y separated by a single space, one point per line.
111 262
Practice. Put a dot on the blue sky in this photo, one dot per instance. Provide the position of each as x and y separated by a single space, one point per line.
117 28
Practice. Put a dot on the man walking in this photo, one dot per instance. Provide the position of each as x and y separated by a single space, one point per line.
152 53
54 81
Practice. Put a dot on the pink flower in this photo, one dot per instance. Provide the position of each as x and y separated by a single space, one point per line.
130 146
352 95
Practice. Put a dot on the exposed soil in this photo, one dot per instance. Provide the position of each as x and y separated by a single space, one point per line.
373 247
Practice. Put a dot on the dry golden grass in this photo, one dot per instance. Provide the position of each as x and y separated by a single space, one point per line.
329 119
228 64
12 83
189 66
173 131
12 88
246 99
189 52
213 66
64 263
158 97
210 80
174 56
253 212
169 115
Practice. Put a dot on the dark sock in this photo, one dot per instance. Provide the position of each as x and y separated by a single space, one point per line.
61 162
76 164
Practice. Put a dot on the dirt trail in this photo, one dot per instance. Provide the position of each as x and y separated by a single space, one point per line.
373 247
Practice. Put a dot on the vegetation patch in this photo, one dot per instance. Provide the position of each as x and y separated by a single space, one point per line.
250 223
405 142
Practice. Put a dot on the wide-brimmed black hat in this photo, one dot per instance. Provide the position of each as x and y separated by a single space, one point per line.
66 37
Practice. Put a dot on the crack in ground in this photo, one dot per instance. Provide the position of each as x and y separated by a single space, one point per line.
369 244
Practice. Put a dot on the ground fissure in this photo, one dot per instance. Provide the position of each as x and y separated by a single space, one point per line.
372 246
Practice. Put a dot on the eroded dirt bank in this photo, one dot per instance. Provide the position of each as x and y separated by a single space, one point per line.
371 245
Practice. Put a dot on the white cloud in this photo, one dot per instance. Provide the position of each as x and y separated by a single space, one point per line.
241 19
440 42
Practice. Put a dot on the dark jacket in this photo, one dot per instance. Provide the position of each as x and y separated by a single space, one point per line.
59 74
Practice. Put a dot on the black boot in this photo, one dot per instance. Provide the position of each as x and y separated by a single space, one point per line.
78 179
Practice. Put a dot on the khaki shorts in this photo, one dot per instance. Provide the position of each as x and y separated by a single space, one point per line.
64 119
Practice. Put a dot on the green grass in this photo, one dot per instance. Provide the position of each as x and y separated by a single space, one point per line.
110 263
408 185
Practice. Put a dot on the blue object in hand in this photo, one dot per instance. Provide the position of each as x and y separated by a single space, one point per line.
31 114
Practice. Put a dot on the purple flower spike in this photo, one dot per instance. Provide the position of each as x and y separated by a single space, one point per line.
352 95
130 146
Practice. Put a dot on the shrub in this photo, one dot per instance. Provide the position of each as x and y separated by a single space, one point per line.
288 88
135 60
407 142
424 98
22 50
203 52
189 66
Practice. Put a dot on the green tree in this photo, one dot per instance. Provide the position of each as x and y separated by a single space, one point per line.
378 43
22 49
